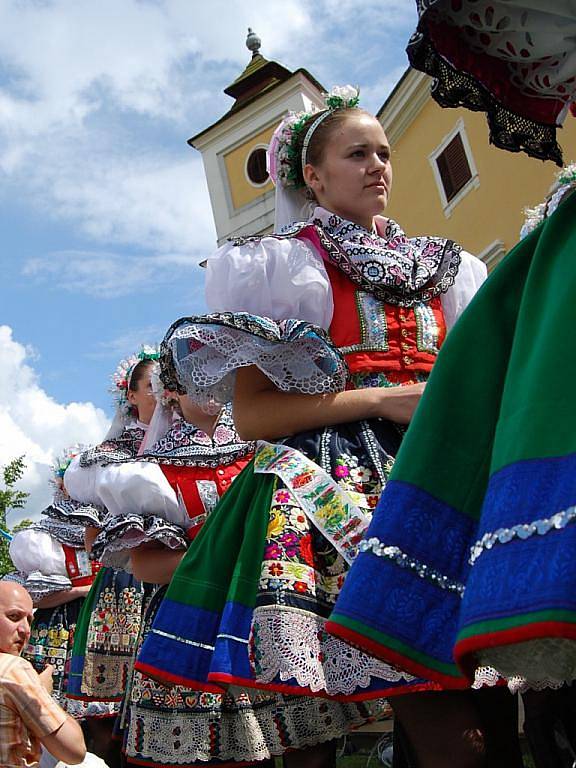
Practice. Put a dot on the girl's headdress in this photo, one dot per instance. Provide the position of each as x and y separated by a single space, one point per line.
122 376
565 182
287 154
62 462
121 379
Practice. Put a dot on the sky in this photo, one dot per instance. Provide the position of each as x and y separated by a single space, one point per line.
104 208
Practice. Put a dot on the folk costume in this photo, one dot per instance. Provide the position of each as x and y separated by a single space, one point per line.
248 604
469 558
51 558
110 620
515 60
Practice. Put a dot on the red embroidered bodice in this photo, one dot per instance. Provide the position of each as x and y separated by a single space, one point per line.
81 570
376 337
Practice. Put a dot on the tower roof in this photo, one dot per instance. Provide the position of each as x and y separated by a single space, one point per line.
260 75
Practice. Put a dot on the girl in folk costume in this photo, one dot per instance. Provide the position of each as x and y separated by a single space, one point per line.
249 602
55 569
110 619
189 460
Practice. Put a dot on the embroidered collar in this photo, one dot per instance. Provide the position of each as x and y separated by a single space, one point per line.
116 450
393 267
186 445
66 533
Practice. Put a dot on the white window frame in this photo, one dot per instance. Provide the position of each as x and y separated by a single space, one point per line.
472 183
248 156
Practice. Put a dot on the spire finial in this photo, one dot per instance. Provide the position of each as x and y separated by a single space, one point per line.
253 42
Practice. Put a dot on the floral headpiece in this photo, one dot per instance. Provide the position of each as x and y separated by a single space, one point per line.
62 462
123 374
285 160
566 177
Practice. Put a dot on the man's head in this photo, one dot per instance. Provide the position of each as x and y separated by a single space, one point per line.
15 617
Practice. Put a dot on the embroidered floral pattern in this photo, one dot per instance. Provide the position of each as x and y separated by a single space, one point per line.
116 451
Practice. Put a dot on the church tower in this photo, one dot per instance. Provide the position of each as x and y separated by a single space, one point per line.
234 147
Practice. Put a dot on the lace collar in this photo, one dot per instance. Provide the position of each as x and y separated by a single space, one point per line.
186 445
393 267
65 533
117 449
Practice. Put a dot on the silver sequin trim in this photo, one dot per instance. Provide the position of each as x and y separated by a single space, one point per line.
233 637
403 560
522 531
184 640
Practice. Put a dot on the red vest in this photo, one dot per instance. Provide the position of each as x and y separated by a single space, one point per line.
200 488
81 570
378 337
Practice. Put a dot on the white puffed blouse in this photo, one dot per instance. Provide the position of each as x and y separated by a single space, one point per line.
139 487
286 278
32 551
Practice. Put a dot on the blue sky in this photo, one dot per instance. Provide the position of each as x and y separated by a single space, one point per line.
104 210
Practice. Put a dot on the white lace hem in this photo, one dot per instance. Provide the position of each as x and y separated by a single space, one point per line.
293 644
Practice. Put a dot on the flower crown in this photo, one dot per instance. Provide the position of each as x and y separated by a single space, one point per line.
123 373
285 159
62 462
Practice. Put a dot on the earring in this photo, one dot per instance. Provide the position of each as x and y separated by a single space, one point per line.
310 196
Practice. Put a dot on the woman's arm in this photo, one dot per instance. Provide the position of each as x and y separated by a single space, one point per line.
262 412
155 563
64 596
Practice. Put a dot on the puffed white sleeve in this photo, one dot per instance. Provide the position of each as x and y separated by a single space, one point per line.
33 550
279 278
138 487
471 274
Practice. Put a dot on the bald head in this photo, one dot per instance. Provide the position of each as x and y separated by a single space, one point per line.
15 617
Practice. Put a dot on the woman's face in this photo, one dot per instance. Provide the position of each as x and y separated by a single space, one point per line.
142 398
354 177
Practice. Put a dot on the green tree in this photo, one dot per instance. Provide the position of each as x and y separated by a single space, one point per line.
11 498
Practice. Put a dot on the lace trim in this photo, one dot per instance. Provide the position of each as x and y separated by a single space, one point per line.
291 644
64 532
40 586
131 530
75 512
180 727
522 531
489 677
296 356
456 88
186 445
542 663
403 560
115 451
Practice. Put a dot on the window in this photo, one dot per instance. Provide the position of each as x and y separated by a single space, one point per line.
256 167
453 167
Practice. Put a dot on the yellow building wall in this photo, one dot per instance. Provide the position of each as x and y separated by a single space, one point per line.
241 190
494 211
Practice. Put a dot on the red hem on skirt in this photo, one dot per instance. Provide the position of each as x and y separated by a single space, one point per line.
202 764
437 680
161 676
305 691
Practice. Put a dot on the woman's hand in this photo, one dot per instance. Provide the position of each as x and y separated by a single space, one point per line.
399 403
262 412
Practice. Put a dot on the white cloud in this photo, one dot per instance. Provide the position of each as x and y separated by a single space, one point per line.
109 275
33 424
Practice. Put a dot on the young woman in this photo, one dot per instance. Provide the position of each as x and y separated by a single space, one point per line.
290 526
158 505
110 620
